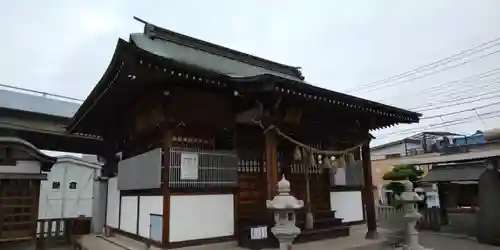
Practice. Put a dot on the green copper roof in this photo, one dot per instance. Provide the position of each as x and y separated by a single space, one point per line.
202 54
200 58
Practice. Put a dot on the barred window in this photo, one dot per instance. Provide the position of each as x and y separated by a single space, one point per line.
215 168
56 185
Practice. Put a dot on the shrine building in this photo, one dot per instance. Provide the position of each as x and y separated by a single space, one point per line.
200 134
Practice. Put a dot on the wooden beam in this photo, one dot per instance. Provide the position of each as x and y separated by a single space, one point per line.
368 197
167 144
271 162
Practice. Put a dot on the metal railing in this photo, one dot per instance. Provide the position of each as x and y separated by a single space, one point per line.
40 93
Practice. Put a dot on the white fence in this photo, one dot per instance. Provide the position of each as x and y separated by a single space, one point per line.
392 218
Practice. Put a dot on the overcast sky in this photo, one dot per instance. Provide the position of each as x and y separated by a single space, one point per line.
63 47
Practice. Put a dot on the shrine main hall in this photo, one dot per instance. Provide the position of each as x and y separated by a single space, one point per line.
200 134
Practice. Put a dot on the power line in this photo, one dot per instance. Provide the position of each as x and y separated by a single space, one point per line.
443 124
460 111
453 97
431 65
454 82
435 72
456 121
465 89
464 100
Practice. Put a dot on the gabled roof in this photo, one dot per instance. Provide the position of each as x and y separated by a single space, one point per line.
449 158
456 172
432 135
416 138
160 55
392 143
196 52
46 161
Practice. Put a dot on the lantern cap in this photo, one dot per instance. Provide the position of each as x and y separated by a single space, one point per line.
283 186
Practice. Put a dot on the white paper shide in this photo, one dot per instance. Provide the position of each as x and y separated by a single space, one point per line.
189 166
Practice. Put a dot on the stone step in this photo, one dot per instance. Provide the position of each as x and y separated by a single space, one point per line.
323 233
322 223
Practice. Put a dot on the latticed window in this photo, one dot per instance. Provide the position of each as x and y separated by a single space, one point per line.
72 185
212 169
18 208
56 185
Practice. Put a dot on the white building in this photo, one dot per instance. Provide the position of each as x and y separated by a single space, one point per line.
410 146
69 189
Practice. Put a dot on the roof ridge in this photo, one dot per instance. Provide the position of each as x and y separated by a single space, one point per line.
154 31
79 160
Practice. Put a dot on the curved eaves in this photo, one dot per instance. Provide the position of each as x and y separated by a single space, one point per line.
98 90
311 89
46 160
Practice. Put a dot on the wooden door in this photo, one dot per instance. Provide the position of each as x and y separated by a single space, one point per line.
18 208
319 190
251 194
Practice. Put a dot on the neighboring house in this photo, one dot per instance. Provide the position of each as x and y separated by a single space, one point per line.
395 149
414 145
386 155
68 191
21 170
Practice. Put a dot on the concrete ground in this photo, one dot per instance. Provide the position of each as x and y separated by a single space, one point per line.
436 241
441 242
354 242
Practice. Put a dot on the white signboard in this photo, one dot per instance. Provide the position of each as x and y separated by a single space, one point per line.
258 233
189 166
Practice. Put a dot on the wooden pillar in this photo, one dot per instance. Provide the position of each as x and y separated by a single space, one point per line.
271 162
369 200
167 144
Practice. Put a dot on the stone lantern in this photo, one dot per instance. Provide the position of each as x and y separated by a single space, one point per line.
410 198
284 206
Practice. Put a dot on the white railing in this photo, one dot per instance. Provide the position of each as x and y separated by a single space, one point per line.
390 217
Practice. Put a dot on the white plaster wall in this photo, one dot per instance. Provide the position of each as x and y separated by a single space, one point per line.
50 206
78 201
148 205
65 202
347 204
25 167
113 206
201 216
378 154
128 215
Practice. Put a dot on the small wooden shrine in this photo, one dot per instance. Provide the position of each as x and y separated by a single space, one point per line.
203 132
21 166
